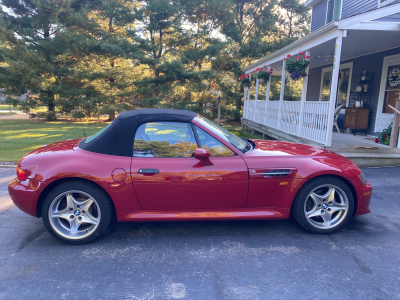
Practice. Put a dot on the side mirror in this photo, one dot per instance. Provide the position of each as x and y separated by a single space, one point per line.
204 156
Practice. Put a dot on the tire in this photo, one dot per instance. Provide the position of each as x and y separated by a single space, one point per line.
323 205
77 212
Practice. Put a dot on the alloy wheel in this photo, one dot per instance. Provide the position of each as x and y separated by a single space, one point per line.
326 206
74 214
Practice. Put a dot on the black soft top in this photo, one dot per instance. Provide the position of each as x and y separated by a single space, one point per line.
117 139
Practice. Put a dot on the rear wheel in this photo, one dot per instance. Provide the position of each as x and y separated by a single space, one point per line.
76 212
323 205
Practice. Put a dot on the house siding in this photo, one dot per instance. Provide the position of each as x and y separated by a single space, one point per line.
356 7
370 63
318 17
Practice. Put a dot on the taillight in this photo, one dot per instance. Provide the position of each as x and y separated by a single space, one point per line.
21 174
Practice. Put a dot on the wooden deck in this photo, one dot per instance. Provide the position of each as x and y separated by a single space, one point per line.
346 140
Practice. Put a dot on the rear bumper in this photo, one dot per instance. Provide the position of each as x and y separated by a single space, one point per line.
25 194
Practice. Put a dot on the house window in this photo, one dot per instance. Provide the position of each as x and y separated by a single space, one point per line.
333 10
344 82
392 92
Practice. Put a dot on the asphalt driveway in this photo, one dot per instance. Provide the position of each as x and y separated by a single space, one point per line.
208 260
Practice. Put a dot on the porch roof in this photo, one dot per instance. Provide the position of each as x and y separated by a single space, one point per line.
363 28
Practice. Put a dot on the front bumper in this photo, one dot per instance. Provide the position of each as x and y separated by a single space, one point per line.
25 194
364 194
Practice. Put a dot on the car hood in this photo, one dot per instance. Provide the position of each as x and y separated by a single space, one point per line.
276 148
309 160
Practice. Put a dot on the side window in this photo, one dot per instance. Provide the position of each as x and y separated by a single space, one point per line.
215 147
164 139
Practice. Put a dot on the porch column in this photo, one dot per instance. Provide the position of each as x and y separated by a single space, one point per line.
334 85
248 103
267 96
303 97
255 100
282 93
245 103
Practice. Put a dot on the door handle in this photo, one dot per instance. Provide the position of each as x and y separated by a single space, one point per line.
148 171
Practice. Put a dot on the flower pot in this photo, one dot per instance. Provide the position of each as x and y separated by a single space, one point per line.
261 80
246 84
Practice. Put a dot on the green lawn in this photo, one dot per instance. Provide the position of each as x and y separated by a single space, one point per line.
6 107
237 129
17 137
6 113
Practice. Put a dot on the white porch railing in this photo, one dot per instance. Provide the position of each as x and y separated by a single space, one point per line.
311 124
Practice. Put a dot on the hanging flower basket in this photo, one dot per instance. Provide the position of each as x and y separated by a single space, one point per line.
297 66
245 80
394 77
263 77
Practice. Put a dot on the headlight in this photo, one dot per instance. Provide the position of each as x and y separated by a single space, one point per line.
362 178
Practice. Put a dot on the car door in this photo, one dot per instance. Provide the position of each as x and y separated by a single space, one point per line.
166 176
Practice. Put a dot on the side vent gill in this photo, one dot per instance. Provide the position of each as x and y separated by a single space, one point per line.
277 173
272 173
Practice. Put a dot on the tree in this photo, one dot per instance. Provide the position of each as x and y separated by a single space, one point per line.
35 59
174 43
92 57
251 31
62 50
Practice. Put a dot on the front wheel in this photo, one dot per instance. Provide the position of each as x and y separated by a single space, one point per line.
323 205
76 212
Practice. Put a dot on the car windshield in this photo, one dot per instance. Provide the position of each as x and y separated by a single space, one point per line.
241 144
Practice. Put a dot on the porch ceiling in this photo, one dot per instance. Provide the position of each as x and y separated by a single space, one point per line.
357 43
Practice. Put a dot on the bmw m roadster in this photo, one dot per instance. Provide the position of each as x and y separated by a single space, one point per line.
169 165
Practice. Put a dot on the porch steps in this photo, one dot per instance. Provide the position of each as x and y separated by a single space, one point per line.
373 159
363 150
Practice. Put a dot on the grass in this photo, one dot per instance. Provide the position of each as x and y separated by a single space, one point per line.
18 137
6 107
238 130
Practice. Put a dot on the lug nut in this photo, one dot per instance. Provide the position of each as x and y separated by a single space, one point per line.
71 217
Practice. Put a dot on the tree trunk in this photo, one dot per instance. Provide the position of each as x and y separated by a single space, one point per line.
49 100
238 104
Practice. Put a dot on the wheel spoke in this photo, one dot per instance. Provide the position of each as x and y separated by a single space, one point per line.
330 195
74 225
327 216
337 207
314 213
71 201
318 200
88 218
85 205
64 214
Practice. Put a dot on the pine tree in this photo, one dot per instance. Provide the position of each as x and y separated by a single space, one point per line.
38 41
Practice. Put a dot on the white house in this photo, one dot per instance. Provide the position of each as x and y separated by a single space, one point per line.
353 45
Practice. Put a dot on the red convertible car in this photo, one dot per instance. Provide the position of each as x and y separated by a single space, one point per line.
164 164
